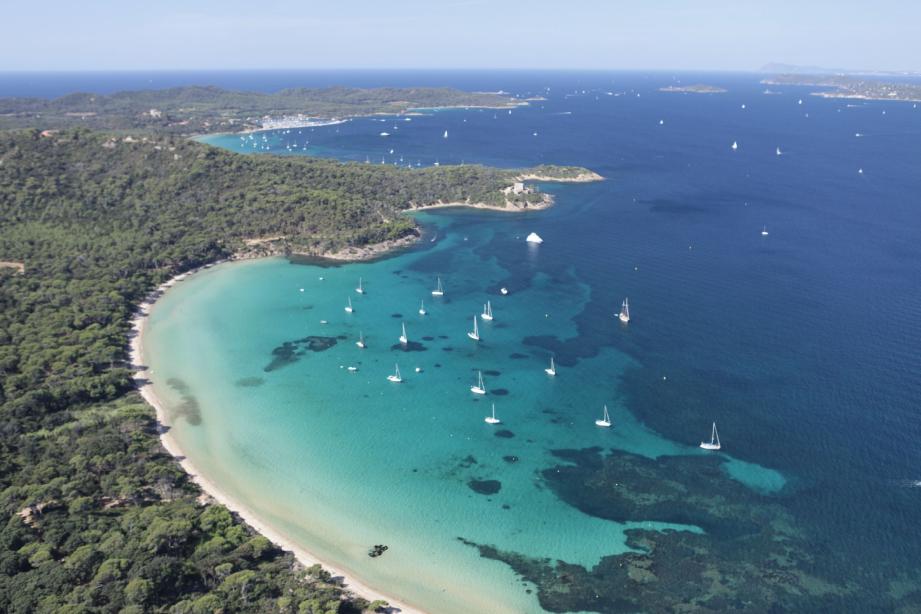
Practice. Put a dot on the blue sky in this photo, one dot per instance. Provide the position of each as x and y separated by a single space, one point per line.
613 34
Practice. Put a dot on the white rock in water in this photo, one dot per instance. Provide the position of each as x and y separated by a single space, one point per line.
534 238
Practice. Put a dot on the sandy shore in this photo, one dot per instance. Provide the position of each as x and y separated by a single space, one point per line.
142 378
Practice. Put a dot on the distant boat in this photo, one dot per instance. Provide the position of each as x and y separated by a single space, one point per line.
422 310
534 238
487 311
385 134
403 338
735 145
395 376
446 134
605 419
492 419
348 307
439 289
480 387
714 440
360 289
475 333
352 369
504 291
778 152
361 340
551 370
624 314
764 231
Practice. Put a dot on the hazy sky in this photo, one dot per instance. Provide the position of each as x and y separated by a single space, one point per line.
612 34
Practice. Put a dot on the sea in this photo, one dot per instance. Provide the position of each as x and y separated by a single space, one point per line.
774 290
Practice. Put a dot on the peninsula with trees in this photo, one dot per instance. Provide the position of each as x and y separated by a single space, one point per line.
851 86
99 517
201 109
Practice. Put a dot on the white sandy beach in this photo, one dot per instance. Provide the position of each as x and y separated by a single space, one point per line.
144 384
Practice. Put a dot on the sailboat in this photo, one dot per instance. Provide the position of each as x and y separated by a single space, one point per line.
361 340
422 310
487 311
475 333
764 231
492 419
439 289
551 370
624 314
348 307
714 440
605 419
403 338
779 153
395 376
735 145
480 387
360 289
446 134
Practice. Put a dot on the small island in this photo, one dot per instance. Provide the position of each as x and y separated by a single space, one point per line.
697 88
852 87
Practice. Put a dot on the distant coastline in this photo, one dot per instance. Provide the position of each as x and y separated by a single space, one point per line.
851 87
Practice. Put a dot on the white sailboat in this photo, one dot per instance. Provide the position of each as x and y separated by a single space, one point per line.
403 338
778 152
714 440
446 134
395 376
487 311
735 145
360 289
361 340
475 333
764 231
551 370
348 307
492 419
605 421
422 310
624 314
439 289
480 387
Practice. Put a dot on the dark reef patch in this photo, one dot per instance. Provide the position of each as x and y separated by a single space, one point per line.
756 555
290 351
428 338
249 382
189 408
504 434
447 349
468 461
485 487
517 356
499 392
511 458
396 315
492 373
409 346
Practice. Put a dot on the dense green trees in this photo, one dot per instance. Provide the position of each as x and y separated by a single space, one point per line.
94 516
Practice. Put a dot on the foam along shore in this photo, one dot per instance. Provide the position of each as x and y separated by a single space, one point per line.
144 384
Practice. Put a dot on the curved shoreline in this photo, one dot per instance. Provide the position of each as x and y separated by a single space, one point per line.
144 385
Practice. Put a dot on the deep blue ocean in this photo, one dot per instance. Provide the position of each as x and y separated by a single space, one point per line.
804 345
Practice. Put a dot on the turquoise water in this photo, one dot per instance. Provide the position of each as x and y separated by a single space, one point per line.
804 346
341 460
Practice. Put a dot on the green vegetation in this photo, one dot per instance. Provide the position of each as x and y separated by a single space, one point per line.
96 517
194 110
844 86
